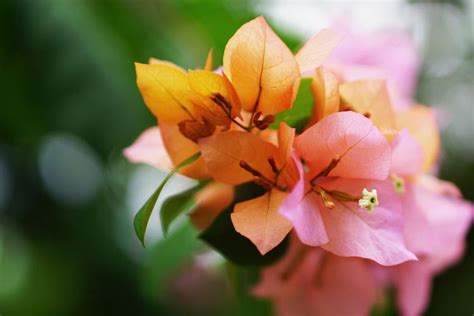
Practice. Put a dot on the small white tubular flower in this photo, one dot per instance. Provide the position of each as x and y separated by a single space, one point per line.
398 184
369 199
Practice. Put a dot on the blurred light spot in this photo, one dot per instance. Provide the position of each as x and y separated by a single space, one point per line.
439 30
308 17
143 183
70 169
5 183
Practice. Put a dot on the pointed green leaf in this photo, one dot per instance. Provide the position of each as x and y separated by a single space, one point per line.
177 205
143 215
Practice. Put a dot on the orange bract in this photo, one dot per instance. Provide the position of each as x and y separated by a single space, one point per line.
317 49
224 152
262 69
371 97
210 202
259 220
180 148
325 90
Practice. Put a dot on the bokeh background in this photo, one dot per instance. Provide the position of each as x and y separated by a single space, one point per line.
69 105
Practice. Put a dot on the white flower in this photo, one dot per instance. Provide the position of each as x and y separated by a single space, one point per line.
369 199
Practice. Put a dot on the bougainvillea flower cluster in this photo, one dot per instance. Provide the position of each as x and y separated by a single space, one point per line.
349 183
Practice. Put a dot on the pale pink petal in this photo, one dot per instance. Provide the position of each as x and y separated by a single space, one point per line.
354 232
148 148
412 281
388 54
271 280
297 297
407 155
307 221
363 150
344 286
438 186
303 212
297 193
317 49
310 281
450 219
418 232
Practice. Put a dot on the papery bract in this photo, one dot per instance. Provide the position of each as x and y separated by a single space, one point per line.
235 157
354 149
180 148
448 219
260 221
363 151
318 48
262 69
436 223
353 231
309 281
325 90
407 155
421 123
210 201
148 148
369 97
224 152
165 90
301 209
389 54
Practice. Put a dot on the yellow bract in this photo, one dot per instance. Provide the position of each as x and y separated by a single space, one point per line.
165 90
207 84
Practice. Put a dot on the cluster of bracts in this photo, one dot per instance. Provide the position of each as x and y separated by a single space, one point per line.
353 189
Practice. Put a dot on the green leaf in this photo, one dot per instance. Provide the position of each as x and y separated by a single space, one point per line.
302 109
176 205
143 215
221 234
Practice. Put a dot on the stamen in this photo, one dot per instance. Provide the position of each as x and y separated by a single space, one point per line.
369 199
333 164
260 179
347 108
265 122
326 198
272 163
221 101
367 114
263 183
218 99
256 117
244 165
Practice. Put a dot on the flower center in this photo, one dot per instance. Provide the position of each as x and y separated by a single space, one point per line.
262 180
369 200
